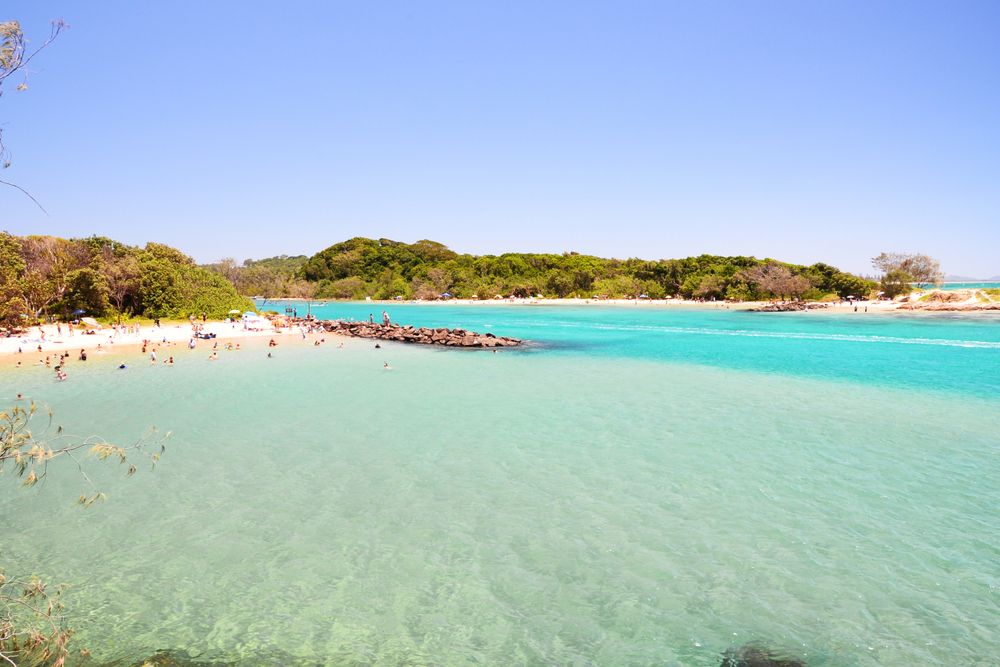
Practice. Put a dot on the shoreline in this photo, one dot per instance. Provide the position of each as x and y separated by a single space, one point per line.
161 339
836 307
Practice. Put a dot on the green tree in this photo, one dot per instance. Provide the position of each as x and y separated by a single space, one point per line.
922 269
12 267
711 287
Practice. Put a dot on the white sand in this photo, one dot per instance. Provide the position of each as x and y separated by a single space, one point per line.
118 341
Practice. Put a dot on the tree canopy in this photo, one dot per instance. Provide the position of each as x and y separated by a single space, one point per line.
383 269
43 276
900 269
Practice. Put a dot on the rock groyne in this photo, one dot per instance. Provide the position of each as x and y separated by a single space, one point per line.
411 334
788 307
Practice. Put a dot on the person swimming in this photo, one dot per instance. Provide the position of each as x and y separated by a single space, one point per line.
386 366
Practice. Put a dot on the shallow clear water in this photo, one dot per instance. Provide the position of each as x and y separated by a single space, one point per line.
639 487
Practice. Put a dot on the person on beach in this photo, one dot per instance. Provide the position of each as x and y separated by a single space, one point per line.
371 318
152 357
385 318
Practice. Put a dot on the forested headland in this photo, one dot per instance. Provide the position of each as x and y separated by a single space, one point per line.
45 277
386 269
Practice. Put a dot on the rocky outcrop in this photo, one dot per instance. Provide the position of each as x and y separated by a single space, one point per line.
411 334
788 306
952 307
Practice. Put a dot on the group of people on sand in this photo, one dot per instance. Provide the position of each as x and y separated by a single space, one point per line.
152 349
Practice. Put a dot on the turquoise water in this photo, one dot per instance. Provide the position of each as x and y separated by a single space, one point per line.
974 285
637 487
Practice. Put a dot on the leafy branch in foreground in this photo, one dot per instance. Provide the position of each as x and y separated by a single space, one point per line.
14 59
32 631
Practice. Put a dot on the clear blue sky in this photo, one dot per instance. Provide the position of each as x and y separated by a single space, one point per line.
798 130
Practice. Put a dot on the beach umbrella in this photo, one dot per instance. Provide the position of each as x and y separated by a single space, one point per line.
79 311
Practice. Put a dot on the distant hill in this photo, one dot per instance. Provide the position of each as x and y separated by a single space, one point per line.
289 264
384 269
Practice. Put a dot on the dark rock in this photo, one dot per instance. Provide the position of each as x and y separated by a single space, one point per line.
755 655
411 334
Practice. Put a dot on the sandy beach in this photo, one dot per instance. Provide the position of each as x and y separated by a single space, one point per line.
108 340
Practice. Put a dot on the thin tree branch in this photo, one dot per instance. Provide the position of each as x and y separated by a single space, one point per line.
26 193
